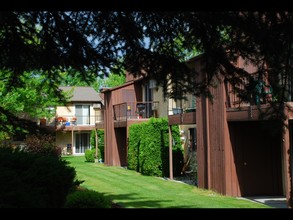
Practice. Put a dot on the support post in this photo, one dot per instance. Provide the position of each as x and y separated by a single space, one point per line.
96 135
170 153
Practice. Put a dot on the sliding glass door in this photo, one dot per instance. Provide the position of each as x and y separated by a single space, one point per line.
82 142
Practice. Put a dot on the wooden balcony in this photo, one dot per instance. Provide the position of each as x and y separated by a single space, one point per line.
72 122
134 112
184 117
250 113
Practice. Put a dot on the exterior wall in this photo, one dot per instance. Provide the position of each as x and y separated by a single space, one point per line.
99 115
220 166
162 110
92 114
62 140
65 110
214 155
216 166
113 156
202 142
65 135
216 159
217 121
116 132
110 157
69 112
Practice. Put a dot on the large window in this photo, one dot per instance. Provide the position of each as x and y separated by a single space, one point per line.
82 113
82 142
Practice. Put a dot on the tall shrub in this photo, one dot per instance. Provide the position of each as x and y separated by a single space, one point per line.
134 146
148 150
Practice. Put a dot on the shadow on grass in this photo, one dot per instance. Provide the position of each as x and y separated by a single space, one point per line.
133 201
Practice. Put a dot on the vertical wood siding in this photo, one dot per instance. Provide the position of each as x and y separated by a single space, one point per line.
116 138
217 112
115 143
216 158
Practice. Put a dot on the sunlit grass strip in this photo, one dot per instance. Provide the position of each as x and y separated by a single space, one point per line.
133 190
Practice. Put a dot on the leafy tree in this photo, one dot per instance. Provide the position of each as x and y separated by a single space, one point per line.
95 43
33 100
110 81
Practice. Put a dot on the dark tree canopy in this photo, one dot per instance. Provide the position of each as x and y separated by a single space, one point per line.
92 43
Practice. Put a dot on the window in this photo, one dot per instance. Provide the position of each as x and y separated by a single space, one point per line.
82 113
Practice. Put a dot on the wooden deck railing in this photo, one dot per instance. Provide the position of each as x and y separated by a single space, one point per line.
135 110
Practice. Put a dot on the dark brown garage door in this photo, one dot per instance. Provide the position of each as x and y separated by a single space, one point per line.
257 151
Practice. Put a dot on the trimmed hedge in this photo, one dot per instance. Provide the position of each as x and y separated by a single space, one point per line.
32 180
148 149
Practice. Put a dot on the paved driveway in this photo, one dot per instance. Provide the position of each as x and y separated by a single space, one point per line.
274 201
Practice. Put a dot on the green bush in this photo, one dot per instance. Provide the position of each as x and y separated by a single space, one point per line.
90 155
148 149
134 146
31 180
87 199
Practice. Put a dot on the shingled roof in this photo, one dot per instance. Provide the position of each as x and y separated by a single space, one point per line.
82 93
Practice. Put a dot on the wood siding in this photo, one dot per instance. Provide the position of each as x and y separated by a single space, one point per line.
116 132
214 156
182 119
233 147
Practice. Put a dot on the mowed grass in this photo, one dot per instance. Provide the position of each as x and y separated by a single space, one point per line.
133 190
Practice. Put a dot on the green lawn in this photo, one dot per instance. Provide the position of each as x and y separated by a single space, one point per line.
133 190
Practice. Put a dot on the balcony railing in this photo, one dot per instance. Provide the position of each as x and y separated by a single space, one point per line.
135 110
178 110
76 120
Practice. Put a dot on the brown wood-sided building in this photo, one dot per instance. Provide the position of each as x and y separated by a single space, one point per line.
238 153
132 102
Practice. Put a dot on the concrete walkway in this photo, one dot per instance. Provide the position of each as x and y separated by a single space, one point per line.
273 201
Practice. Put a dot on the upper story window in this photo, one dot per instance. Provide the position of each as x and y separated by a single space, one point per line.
82 114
